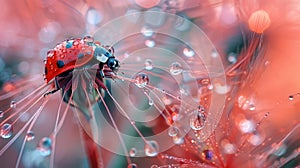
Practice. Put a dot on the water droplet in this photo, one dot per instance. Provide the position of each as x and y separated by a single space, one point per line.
255 139
1 114
176 68
280 149
151 102
228 147
148 64
154 166
45 146
6 131
197 121
178 140
30 136
232 58
246 126
13 104
132 152
291 97
150 43
88 39
173 131
147 32
151 148
141 80
208 154
188 52
132 165
252 107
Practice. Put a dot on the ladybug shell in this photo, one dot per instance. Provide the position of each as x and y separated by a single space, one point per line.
66 56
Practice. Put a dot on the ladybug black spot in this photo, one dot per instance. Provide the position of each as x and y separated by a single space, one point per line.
60 64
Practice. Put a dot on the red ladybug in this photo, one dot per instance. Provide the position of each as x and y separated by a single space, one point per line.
76 53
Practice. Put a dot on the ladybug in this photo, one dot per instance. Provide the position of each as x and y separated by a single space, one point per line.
77 53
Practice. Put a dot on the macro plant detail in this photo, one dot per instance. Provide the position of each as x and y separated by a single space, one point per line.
158 83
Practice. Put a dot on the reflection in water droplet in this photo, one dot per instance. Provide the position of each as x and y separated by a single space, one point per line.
197 121
176 68
141 80
13 104
132 152
148 64
1 114
291 97
45 146
88 39
188 52
173 131
30 136
6 131
151 148
252 107
151 102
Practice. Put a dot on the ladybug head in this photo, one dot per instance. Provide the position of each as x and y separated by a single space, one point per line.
113 64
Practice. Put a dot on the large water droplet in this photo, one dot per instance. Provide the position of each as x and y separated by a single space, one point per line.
151 102
176 68
13 104
45 146
6 131
148 64
1 114
173 131
188 52
141 80
30 136
197 121
246 126
132 165
151 148
132 152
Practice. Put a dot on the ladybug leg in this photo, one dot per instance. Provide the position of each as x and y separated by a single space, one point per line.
101 69
57 88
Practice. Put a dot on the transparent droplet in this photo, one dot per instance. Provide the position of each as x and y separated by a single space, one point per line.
151 148
148 64
280 149
132 152
291 97
147 32
197 121
88 39
6 131
150 102
141 80
173 131
252 107
176 68
246 126
232 58
132 165
150 43
228 147
188 52
45 146
178 140
208 154
13 104
154 166
30 136
255 139
1 114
